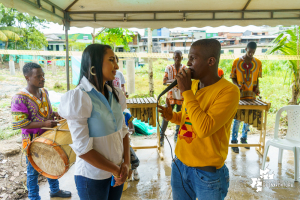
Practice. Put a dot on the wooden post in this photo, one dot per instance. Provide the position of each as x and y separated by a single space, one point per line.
130 76
120 65
35 59
150 70
45 65
21 65
53 62
12 65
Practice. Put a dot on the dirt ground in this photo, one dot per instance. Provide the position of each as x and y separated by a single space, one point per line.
13 172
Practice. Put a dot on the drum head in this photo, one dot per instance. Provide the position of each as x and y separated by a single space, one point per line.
47 159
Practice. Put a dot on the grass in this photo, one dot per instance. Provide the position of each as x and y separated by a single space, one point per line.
274 85
4 103
6 133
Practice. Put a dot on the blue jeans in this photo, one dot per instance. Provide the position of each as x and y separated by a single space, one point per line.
32 183
235 130
90 189
198 183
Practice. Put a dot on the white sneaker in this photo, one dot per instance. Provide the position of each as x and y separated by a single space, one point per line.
136 175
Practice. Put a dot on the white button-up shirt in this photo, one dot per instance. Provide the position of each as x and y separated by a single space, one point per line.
95 123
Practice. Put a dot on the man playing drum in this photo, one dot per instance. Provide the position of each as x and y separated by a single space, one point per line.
245 73
31 110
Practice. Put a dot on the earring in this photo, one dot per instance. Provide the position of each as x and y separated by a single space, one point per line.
91 71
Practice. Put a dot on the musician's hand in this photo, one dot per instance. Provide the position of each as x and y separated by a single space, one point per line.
124 170
184 80
257 92
166 112
57 116
50 123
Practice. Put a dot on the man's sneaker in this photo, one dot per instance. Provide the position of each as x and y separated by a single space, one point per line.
61 194
136 175
235 149
244 141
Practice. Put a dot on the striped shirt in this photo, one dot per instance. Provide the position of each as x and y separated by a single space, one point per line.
174 95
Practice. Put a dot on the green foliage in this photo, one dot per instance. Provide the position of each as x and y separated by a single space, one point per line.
116 37
32 39
7 132
11 17
12 22
76 46
287 44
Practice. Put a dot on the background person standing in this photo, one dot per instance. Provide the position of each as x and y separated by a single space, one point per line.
174 95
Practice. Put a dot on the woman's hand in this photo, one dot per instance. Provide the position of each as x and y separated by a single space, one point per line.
123 174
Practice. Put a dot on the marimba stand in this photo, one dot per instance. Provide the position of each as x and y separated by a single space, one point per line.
145 110
255 105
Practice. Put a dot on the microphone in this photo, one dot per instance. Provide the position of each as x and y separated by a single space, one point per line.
169 87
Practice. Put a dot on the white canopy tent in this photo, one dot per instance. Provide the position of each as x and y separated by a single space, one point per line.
160 13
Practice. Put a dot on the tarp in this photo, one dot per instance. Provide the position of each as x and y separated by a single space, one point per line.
76 63
162 13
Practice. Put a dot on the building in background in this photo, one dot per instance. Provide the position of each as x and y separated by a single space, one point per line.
210 35
55 42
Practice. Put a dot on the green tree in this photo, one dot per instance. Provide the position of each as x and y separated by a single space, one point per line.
287 43
116 37
13 22
76 46
32 39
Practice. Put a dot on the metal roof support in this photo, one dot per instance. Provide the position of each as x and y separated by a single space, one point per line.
39 4
52 4
247 4
43 9
72 4
67 27
181 11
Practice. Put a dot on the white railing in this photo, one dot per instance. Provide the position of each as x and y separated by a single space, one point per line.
143 55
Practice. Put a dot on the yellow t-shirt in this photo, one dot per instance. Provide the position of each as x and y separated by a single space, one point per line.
247 76
205 120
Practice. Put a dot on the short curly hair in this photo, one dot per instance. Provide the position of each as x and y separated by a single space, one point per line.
28 68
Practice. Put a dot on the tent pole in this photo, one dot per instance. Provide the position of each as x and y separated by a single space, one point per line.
67 26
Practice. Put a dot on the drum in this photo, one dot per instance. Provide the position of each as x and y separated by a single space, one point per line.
50 154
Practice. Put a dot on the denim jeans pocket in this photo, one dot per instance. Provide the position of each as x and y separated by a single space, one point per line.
208 179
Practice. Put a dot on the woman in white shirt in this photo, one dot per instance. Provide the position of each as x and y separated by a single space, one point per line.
94 110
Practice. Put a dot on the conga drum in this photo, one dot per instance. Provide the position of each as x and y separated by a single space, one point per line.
50 154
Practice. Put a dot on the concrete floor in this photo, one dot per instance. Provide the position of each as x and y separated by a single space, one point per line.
156 175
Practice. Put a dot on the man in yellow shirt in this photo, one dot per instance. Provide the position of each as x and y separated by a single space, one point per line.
210 103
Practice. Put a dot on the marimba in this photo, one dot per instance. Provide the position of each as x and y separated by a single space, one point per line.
254 112
145 110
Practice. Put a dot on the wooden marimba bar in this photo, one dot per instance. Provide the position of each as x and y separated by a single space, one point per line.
254 112
145 110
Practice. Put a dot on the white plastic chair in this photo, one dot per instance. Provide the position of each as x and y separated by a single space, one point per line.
292 140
